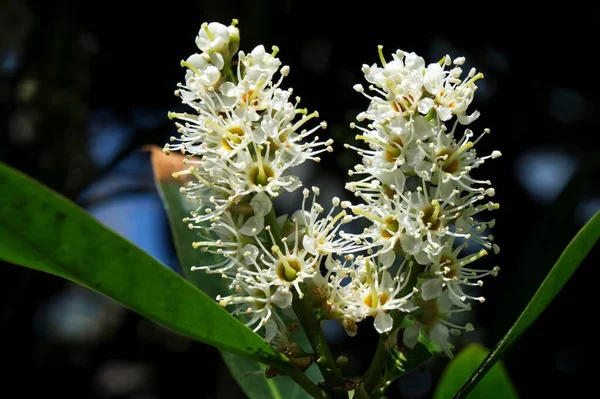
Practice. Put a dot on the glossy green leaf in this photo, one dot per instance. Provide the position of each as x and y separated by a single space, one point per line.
251 378
42 230
177 208
402 360
541 249
496 384
248 373
563 269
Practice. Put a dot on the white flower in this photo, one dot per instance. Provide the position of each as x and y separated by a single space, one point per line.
452 96
201 77
450 271
223 238
399 83
373 292
255 298
322 235
433 320
213 38
260 65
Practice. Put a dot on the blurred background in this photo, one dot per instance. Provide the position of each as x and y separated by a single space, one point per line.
84 85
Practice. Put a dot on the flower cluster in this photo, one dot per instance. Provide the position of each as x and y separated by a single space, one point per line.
244 135
419 197
241 139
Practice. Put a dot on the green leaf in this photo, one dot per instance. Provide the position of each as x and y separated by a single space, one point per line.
178 208
401 362
496 384
563 269
248 373
542 248
251 377
42 230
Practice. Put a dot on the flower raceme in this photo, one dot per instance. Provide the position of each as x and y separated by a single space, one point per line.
417 192
243 134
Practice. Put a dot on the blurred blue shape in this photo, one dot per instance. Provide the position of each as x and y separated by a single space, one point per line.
9 62
77 315
149 118
121 378
107 136
139 217
586 209
132 173
109 186
544 173
334 332
566 105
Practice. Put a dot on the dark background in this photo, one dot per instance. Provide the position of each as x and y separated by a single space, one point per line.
83 85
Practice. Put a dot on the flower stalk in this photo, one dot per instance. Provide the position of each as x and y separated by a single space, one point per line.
375 371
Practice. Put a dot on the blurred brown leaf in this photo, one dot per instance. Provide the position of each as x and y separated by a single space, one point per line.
164 165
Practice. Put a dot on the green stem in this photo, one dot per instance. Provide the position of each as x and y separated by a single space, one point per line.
373 375
312 327
309 322
228 72
271 220
301 379
380 390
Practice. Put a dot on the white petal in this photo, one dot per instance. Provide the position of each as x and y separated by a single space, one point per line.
229 89
439 335
410 244
302 216
422 258
271 330
281 220
433 77
444 113
253 226
425 105
413 61
408 307
431 288
261 204
292 183
387 258
198 61
250 252
282 298
217 60
383 322
270 126
466 119
444 302
309 245
411 336
386 281
211 76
